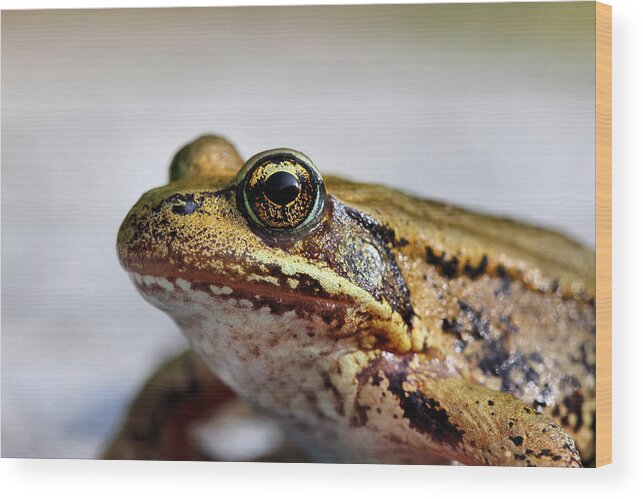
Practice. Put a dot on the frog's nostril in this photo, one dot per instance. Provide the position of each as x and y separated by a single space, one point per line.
185 204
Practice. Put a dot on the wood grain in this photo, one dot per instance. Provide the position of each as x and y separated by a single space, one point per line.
603 234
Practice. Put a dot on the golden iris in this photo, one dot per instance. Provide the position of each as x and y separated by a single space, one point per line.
281 191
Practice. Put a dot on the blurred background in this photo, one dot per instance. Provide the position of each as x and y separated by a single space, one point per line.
486 106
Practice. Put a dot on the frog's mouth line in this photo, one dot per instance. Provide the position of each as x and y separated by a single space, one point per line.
167 290
341 315
342 305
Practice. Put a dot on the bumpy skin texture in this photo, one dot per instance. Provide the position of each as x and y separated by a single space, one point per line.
395 330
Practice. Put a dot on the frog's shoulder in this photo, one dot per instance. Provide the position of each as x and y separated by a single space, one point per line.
462 241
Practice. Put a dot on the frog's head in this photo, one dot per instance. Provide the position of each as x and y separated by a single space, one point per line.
264 250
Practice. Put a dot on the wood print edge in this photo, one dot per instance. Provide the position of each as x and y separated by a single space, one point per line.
603 234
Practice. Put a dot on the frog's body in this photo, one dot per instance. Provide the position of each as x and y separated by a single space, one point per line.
391 330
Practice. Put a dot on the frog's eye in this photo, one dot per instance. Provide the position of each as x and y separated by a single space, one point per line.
281 191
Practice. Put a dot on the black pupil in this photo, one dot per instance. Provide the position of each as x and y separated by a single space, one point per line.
281 188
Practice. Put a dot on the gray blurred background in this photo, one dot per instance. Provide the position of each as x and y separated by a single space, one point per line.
487 106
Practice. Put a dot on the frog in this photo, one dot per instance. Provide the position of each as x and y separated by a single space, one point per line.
371 325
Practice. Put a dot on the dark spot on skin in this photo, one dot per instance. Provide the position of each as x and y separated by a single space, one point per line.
520 457
360 414
574 405
339 400
540 401
327 318
401 242
307 284
370 375
489 402
513 368
495 361
536 357
517 440
475 272
590 367
452 326
505 282
424 413
447 267
479 324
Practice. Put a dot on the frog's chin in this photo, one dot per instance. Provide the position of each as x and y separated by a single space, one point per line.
247 339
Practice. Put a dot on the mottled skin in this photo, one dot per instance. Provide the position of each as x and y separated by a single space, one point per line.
394 330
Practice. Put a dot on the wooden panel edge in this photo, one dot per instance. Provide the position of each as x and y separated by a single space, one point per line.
603 234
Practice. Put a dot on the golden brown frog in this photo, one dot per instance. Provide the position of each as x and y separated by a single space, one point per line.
371 325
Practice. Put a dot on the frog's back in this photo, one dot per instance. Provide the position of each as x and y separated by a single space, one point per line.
508 305
461 239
